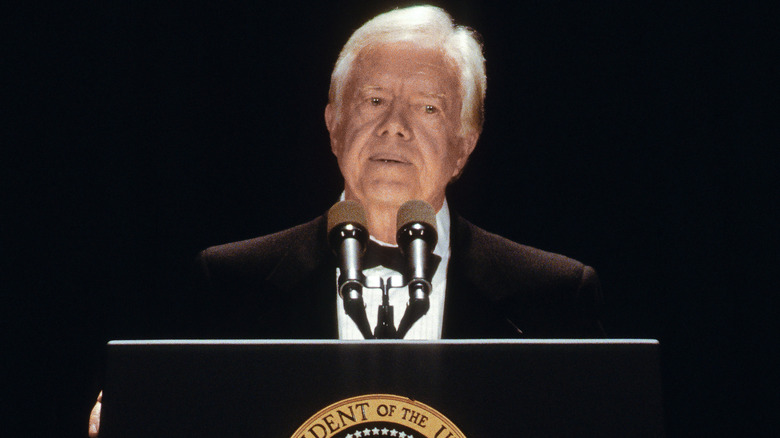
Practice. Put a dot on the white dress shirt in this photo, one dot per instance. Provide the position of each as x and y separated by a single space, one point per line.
426 328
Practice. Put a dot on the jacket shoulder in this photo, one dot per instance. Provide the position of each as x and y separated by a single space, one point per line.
259 256
542 293
493 258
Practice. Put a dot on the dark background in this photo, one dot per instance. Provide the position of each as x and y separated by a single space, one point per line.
633 136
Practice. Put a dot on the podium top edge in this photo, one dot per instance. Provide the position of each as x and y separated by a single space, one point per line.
384 342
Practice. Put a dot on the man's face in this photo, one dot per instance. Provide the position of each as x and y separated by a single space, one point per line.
398 135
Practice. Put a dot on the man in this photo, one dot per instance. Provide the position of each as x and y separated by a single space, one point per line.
405 111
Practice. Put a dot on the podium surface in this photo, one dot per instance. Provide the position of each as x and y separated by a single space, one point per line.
334 389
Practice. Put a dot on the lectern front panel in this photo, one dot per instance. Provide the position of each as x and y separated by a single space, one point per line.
486 388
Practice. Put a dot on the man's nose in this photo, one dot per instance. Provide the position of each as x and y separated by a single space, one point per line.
395 122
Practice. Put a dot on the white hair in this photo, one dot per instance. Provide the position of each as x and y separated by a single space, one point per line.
427 26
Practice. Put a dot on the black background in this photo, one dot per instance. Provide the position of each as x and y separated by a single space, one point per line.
633 136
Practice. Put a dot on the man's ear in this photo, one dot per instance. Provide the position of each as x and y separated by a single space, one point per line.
467 145
330 113
330 123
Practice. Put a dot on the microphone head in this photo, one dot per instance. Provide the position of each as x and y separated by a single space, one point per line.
416 219
346 212
416 211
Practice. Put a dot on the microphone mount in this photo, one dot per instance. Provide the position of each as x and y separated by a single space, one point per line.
416 237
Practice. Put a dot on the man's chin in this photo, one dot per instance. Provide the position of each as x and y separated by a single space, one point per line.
387 195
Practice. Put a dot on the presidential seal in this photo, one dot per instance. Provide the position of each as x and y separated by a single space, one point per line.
378 415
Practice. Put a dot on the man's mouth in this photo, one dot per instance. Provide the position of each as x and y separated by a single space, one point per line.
389 159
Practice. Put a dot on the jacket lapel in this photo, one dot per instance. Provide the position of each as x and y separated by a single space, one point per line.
305 279
471 310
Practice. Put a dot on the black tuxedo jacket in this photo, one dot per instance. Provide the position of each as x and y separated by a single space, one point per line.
283 286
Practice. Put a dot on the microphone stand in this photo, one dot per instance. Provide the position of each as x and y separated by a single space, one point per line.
352 293
420 241
355 307
385 327
419 303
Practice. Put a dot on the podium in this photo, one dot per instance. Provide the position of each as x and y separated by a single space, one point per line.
402 389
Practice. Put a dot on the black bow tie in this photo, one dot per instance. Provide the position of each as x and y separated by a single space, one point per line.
391 257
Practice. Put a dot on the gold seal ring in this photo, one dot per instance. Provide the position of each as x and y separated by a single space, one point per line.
378 415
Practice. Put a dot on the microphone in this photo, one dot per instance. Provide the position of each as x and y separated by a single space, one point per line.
347 236
416 238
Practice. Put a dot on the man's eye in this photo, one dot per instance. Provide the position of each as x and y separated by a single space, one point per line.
430 109
376 101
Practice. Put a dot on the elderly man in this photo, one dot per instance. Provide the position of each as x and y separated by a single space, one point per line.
405 111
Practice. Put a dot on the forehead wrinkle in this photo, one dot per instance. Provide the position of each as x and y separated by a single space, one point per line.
426 76
371 88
